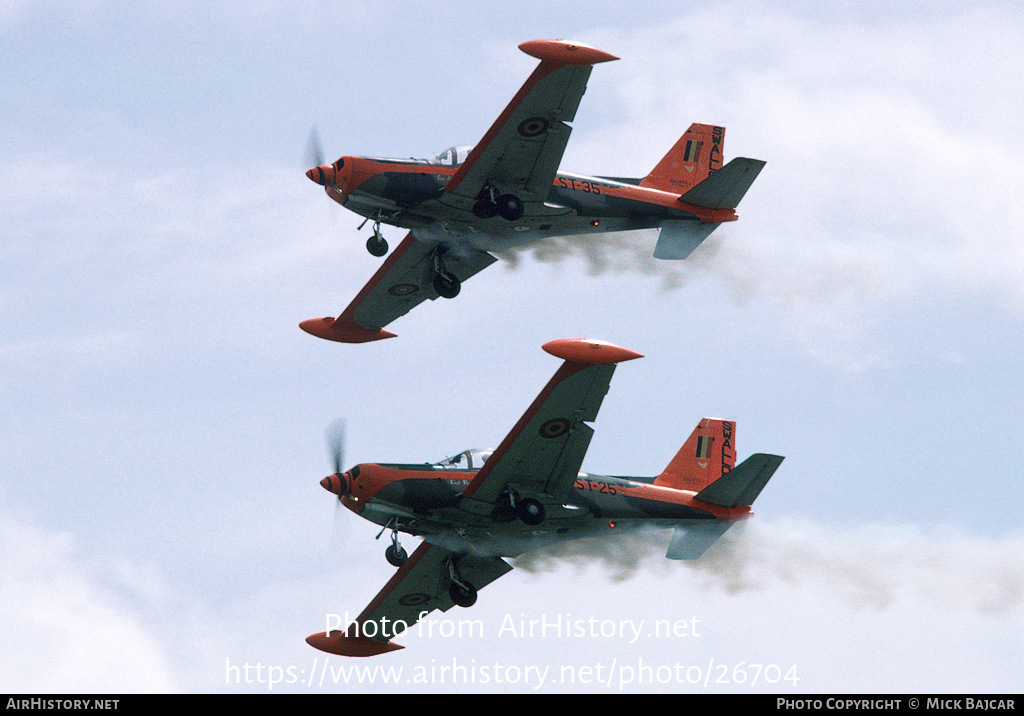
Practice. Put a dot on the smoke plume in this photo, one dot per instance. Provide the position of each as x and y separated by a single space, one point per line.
621 253
870 567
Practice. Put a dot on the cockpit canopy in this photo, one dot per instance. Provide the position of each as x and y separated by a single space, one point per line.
467 460
451 157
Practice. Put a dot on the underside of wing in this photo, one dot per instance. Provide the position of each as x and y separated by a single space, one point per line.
542 455
404 280
519 155
526 147
422 585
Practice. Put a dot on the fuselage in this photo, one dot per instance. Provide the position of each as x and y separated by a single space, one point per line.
423 500
405 193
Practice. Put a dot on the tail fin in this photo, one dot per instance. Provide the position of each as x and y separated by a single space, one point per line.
707 454
696 155
738 487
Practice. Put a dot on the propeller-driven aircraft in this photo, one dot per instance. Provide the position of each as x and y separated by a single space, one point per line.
506 192
480 506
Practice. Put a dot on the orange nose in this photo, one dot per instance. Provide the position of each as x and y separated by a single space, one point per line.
324 174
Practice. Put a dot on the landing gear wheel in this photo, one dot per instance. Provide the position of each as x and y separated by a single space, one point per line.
510 207
464 595
531 512
485 209
396 555
447 285
504 510
376 245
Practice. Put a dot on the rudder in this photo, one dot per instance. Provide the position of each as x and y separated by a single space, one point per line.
707 454
696 155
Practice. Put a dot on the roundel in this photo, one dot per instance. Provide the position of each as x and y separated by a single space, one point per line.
554 428
414 599
533 126
403 289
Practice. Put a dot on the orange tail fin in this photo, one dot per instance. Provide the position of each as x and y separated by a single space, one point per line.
696 155
707 454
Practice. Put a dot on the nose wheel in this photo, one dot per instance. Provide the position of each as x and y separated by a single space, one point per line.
395 554
376 244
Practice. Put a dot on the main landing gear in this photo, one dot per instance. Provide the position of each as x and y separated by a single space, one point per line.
490 204
446 284
461 592
509 506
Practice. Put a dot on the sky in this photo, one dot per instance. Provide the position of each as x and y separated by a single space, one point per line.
162 528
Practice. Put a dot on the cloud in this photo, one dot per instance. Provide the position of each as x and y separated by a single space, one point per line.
893 166
65 630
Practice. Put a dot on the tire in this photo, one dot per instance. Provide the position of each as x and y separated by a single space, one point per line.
396 555
531 512
447 285
510 207
463 596
485 209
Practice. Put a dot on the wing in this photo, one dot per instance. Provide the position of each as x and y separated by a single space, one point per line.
403 281
419 587
521 151
541 457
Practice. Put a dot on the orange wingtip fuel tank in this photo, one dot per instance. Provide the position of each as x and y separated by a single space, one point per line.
343 331
589 350
565 53
338 643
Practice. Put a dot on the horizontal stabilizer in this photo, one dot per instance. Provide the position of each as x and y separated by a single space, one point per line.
678 239
691 540
724 189
742 484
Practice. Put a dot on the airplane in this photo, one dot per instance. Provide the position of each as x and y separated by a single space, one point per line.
480 506
506 192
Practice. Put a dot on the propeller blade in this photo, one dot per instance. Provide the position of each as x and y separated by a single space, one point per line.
335 436
340 526
314 152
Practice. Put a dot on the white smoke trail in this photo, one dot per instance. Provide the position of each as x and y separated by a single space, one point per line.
620 253
869 567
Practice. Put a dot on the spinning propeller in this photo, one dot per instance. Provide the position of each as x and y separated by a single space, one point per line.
322 173
314 153
336 482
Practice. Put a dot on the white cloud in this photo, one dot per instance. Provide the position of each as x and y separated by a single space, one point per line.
894 167
65 631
